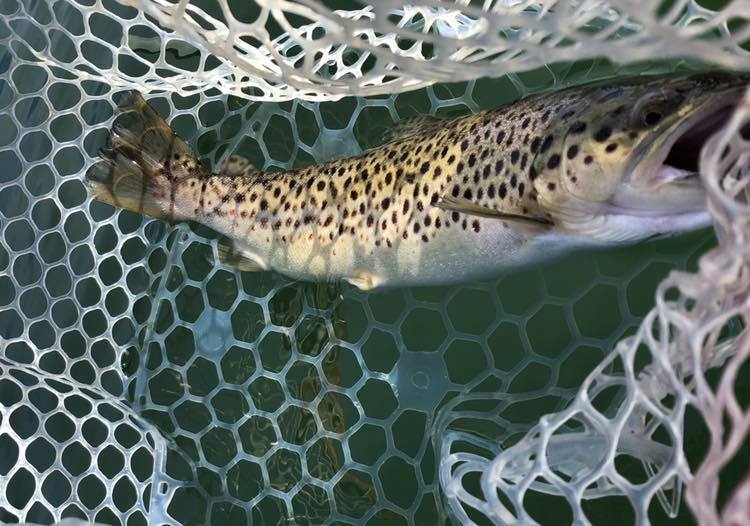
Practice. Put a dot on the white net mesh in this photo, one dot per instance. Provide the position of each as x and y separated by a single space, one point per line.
165 387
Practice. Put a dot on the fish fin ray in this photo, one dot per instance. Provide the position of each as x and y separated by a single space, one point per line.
237 166
528 224
361 280
231 255
412 126
143 161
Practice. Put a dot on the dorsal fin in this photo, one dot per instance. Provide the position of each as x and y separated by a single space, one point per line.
412 126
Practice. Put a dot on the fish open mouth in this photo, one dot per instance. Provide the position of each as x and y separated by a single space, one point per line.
667 181
683 153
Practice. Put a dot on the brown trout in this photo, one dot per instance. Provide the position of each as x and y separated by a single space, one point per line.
449 200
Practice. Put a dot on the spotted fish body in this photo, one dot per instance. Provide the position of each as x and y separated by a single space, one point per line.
452 200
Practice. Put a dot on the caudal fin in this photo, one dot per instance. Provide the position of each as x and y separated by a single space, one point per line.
143 163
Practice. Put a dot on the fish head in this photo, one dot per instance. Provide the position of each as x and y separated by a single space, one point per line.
623 162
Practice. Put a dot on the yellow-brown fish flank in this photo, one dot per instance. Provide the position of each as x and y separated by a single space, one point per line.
389 193
446 199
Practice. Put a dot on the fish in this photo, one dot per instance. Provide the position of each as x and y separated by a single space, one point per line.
443 200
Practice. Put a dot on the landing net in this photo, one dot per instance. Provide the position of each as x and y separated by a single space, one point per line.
144 382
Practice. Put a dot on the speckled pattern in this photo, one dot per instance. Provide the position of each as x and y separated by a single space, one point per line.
372 219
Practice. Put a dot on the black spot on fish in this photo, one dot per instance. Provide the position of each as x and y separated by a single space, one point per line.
603 134
611 147
553 162
514 156
577 127
572 151
588 159
535 144
502 191
546 143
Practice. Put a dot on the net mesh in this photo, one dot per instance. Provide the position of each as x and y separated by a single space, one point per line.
144 382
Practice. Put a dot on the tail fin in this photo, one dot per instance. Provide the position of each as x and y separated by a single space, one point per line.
143 163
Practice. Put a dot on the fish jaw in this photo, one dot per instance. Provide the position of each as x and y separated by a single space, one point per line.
640 177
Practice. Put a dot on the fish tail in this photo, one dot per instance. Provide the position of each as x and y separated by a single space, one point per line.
143 163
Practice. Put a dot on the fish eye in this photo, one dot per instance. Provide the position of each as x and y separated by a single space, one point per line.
652 117
650 112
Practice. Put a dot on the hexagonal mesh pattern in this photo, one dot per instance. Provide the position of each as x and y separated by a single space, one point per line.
142 381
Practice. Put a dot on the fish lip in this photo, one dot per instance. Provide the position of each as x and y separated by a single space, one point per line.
649 172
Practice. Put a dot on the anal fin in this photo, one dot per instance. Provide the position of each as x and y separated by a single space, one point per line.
237 166
230 255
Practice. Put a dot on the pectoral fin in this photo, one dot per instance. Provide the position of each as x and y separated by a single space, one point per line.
532 224
230 255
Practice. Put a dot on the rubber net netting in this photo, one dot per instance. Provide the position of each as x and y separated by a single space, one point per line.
144 382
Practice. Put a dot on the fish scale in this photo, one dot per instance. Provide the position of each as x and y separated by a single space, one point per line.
446 201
